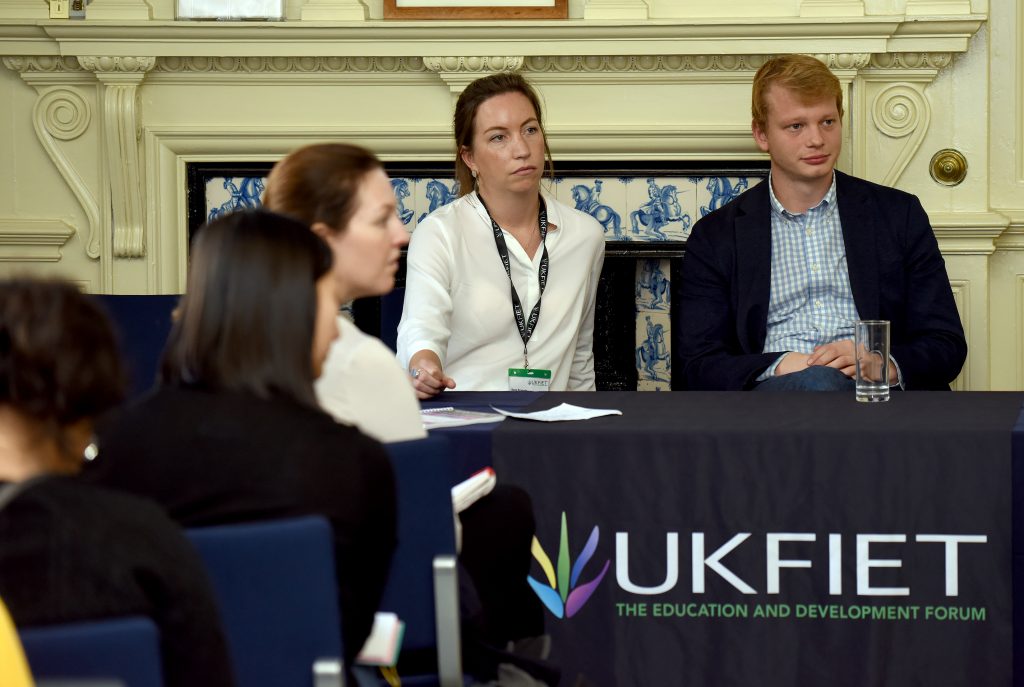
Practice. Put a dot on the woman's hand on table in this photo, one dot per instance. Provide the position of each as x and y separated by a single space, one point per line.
427 374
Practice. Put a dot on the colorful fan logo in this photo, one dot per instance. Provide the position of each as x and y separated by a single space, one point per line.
564 597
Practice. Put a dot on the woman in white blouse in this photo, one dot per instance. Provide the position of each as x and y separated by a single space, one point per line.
343 193
501 283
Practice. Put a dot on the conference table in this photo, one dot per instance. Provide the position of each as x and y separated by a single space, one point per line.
718 538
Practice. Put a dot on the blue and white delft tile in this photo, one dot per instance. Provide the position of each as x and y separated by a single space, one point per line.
604 199
653 351
714 192
433 193
653 341
659 208
227 194
403 189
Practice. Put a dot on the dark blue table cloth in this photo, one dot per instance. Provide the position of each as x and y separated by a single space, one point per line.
847 533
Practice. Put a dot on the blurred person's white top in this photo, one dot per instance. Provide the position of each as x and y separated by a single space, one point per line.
362 385
458 302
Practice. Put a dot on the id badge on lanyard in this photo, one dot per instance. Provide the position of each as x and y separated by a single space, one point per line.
525 378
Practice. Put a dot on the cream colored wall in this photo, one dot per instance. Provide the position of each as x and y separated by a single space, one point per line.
663 80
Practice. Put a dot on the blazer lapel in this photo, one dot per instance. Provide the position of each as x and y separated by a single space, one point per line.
860 235
753 267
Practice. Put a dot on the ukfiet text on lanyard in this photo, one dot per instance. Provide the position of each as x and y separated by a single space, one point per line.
526 326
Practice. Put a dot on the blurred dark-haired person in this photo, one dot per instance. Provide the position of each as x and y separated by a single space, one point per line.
345 196
70 551
233 431
502 282
342 192
773 281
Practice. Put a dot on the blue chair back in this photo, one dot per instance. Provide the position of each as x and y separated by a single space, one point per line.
391 305
123 649
276 591
423 585
143 323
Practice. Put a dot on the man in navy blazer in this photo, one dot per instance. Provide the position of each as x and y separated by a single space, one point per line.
772 282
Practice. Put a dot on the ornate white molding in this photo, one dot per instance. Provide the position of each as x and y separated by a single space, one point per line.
844 61
42 64
603 64
121 77
472 65
33 240
63 114
458 72
902 111
108 66
911 60
286 65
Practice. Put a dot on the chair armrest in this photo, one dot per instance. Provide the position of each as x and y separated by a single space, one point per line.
328 672
446 611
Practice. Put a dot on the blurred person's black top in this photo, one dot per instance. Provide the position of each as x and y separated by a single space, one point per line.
73 552
220 457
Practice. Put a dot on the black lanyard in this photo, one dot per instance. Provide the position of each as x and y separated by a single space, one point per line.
526 326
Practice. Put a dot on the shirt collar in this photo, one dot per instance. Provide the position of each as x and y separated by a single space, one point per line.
827 204
554 217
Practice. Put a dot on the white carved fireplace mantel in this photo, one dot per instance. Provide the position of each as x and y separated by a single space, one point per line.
119 108
149 97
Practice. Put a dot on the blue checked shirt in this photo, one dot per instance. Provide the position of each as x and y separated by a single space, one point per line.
811 302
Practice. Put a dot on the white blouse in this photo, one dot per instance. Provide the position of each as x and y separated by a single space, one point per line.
458 303
362 385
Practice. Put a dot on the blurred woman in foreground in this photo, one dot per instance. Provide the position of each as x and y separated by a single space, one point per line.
233 431
70 551
342 192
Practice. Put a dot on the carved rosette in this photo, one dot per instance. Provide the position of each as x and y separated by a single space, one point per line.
121 77
63 113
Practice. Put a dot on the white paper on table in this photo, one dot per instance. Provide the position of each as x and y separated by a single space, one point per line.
561 413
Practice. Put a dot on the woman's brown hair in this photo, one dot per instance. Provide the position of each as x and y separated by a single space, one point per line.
319 183
466 107
246 320
59 358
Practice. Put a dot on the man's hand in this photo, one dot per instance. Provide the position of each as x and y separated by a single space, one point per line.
792 362
838 354
427 375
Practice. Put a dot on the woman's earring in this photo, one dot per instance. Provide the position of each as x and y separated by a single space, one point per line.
91 450
473 172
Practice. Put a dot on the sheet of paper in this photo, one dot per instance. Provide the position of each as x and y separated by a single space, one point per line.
454 417
561 413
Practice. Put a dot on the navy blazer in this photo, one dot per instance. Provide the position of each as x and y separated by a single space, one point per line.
896 274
